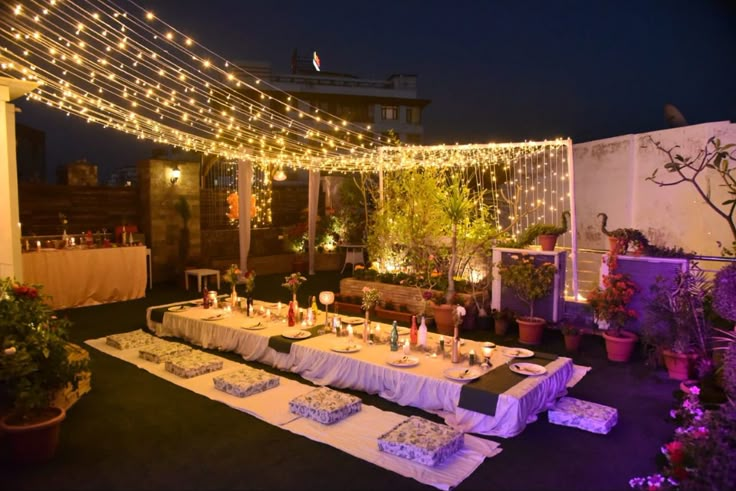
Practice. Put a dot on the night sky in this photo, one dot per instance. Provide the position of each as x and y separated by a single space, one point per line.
494 71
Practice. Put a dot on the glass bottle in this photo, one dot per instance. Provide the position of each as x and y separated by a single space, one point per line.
422 335
394 337
291 316
413 331
315 310
205 296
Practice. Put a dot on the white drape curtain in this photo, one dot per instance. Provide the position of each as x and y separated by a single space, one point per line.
312 219
245 191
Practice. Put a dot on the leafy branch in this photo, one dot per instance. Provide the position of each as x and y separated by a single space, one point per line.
715 157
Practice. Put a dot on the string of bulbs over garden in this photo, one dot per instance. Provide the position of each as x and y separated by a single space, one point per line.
135 73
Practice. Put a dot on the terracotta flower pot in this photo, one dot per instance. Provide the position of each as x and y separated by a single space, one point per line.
619 348
531 329
680 366
443 319
572 342
500 326
547 242
36 441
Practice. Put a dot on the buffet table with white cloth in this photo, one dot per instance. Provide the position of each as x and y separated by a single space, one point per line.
423 385
78 277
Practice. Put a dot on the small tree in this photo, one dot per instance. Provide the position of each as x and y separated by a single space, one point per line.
714 159
528 280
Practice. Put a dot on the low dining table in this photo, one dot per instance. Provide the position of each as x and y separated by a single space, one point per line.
78 277
493 401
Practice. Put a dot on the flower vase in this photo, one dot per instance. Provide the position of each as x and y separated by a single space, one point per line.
368 317
234 297
296 304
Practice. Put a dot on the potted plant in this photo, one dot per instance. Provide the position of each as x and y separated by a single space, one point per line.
502 319
624 240
547 233
34 367
529 280
610 306
572 330
674 324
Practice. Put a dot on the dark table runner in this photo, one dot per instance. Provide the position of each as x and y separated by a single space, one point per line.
283 345
157 315
481 394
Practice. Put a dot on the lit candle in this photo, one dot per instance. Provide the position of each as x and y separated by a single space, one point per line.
407 348
278 308
250 310
72 241
378 333
38 244
268 313
350 333
304 323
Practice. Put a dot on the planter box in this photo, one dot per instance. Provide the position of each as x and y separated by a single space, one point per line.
643 270
550 307
398 294
67 397
348 308
394 315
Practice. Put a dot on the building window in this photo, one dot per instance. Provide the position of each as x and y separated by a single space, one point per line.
389 113
413 115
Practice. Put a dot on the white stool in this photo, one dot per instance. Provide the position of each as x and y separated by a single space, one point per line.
199 273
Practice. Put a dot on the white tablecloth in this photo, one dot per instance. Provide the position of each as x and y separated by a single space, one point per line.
81 277
423 386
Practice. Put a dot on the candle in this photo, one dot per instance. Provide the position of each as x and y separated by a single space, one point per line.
407 348
304 323
268 313
72 241
471 358
378 333
250 310
350 333
278 308
38 244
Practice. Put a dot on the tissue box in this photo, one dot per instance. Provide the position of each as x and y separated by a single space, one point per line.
245 382
422 441
325 405
134 339
162 350
192 364
585 415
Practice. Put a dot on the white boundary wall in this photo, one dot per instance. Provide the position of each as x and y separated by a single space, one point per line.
610 178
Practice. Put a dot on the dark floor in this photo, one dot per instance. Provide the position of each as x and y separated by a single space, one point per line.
137 431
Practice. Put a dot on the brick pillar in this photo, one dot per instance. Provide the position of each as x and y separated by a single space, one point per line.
175 244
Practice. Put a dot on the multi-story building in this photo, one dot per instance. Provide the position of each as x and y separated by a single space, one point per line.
383 105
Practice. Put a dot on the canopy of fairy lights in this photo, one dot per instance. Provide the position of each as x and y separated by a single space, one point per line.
114 64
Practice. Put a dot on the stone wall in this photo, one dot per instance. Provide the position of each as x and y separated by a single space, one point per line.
175 242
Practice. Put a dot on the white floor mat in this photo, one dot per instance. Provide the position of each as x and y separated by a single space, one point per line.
356 435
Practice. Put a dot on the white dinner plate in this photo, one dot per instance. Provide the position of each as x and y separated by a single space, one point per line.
217 317
354 322
463 374
255 327
346 348
530 369
403 361
518 352
296 334
179 308
403 331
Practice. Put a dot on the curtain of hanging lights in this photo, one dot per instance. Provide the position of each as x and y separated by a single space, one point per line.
222 180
